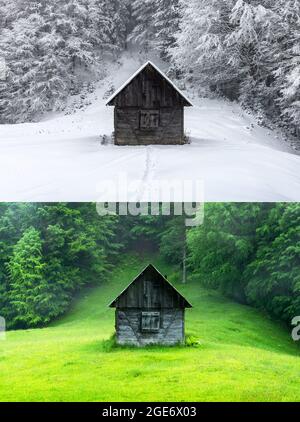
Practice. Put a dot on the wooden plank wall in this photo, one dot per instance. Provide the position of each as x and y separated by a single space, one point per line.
128 328
149 90
128 132
149 291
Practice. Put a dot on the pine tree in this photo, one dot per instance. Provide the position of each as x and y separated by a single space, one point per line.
156 22
200 50
173 244
221 249
26 276
52 47
273 276
251 42
287 62
17 46
250 252
245 49
143 34
166 24
69 245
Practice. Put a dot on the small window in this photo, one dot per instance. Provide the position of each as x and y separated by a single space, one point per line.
149 119
150 321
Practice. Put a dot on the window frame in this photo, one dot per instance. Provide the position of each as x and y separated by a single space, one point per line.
151 329
155 112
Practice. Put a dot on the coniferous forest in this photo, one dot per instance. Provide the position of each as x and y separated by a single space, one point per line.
49 252
244 50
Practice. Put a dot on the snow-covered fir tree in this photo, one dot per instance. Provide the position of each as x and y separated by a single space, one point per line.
287 62
251 42
143 33
166 24
155 25
50 48
200 51
245 49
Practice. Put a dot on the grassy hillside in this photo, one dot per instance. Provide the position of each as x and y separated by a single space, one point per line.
241 354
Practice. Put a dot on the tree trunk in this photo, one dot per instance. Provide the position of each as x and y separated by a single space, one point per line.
184 258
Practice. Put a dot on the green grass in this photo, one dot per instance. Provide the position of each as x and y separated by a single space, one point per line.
236 354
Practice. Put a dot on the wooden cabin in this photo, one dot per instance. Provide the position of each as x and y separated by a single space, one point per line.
149 109
150 311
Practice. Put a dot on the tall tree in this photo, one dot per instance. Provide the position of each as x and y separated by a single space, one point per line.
250 252
246 50
51 48
225 244
166 24
144 30
273 276
74 245
287 62
26 279
200 49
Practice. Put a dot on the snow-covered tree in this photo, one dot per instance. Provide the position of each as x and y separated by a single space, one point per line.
245 49
166 24
109 23
18 47
143 33
155 25
51 48
200 50
252 40
287 62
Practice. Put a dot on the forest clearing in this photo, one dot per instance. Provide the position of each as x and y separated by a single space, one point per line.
235 353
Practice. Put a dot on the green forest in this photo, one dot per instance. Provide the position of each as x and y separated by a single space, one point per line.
249 252
62 264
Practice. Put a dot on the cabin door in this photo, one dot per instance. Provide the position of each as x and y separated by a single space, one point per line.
151 297
147 294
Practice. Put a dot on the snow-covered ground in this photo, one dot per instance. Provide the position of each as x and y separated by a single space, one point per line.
61 158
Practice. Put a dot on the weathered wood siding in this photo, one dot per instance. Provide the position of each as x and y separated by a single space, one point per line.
149 90
169 131
150 292
150 311
128 327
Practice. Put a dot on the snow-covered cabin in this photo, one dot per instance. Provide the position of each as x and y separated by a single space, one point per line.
150 311
149 109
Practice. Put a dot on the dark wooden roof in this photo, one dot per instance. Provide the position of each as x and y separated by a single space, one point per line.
162 293
129 94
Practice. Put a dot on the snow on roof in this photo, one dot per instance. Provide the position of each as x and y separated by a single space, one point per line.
140 70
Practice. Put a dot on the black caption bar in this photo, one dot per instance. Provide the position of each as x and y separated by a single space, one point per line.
133 411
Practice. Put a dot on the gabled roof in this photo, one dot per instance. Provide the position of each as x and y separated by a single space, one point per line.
163 75
151 266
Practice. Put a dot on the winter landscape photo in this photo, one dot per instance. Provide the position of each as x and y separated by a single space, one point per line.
154 90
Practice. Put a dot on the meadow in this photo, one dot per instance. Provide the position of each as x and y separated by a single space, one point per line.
232 353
